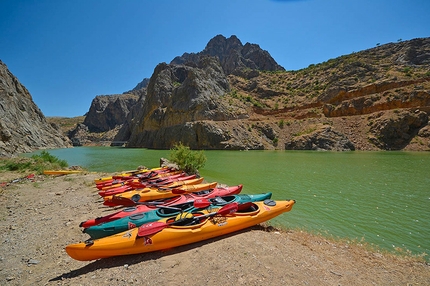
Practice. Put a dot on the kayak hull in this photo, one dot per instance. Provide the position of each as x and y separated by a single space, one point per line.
128 242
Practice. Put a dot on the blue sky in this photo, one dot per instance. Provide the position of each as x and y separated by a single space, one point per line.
67 52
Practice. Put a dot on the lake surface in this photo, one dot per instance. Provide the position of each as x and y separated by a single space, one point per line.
382 198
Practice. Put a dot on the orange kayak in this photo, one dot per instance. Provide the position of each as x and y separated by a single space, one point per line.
172 233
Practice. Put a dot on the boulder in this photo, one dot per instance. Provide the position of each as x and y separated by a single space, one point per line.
323 138
394 130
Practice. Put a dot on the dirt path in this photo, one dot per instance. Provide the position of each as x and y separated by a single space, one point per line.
38 219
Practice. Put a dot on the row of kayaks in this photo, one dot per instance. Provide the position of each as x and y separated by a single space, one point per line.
165 208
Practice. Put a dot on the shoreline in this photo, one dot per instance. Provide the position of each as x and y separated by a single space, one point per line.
40 218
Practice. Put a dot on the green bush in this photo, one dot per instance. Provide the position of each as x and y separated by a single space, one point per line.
186 159
46 157
281 123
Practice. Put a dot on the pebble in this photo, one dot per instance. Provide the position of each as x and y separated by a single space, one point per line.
33 261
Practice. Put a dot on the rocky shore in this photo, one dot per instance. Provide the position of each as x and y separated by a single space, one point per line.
41 215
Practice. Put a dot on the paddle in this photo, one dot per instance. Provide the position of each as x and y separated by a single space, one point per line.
126 202
157 226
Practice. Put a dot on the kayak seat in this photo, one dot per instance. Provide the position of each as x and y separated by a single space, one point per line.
251 208
218 201
189 220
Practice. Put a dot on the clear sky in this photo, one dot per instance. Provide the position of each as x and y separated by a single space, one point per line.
65 52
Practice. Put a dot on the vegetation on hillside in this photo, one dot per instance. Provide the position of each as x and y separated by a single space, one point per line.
36 163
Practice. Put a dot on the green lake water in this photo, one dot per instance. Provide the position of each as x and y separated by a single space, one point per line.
382 198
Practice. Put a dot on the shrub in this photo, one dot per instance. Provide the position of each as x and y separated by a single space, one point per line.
281 123
186 159
46 157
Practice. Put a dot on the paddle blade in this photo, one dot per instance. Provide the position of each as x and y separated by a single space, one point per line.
228 209
201 203
151 228
120 201
178 191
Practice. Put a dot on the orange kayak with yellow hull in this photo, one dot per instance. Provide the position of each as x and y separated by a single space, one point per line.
151 194
167 234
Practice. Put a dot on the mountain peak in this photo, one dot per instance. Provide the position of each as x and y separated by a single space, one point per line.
233 55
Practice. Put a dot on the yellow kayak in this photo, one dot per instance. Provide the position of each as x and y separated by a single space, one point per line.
172 233
150 194
61 172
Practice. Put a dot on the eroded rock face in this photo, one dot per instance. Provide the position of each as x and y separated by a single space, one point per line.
176 96
23 127
324 138
109 111
394 130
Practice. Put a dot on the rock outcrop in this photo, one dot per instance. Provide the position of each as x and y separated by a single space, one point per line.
323 138
109 111
23 127
177 97
395 130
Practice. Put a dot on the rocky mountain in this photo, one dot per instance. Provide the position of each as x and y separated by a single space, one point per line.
106 115
23 127
235 58
234 96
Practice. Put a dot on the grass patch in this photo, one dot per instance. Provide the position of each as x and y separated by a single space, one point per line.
36 163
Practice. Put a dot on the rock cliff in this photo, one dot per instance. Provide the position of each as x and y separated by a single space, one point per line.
108 111
23 127
178 98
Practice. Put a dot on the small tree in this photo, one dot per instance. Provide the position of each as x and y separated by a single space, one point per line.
186 159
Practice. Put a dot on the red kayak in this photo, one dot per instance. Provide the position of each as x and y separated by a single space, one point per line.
136 184
139 207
